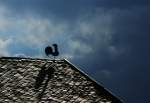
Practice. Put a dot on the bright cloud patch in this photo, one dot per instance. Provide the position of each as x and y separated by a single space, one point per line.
4 44
31 33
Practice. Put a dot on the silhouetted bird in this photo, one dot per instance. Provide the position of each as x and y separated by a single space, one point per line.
49 50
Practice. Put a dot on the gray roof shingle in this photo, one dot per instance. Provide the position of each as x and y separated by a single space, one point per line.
64 84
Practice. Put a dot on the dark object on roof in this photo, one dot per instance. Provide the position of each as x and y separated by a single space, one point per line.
50 51
58 82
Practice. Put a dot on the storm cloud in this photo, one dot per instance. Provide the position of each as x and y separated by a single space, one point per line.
108 39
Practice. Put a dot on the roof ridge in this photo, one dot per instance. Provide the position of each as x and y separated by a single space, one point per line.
98 85
31 58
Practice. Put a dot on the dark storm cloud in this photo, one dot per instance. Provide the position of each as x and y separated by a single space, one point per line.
121 3
66 9
67 5
62 9
120 60
129 71
132 34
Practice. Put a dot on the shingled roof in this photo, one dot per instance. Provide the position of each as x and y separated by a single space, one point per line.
22 81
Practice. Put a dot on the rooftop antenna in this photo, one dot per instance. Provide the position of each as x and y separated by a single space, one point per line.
52 51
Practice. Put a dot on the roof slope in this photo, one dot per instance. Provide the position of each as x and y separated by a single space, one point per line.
26 80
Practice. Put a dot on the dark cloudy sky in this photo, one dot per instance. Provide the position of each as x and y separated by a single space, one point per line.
108 39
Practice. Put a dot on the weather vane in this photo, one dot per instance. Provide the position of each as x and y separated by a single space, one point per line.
52 51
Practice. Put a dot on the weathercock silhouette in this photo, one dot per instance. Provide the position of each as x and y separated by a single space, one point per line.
49 50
